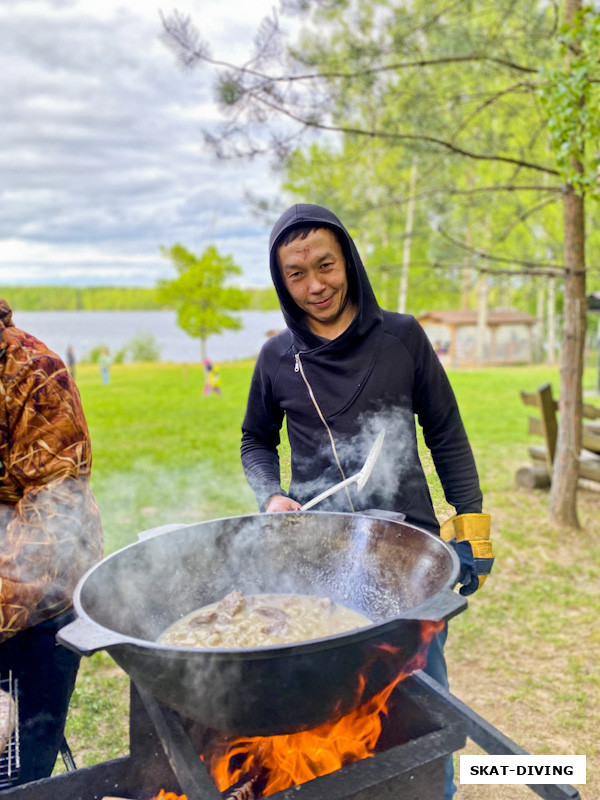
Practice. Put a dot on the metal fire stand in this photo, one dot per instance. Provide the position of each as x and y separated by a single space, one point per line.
493 741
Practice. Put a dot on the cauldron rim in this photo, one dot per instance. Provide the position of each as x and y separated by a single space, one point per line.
259 652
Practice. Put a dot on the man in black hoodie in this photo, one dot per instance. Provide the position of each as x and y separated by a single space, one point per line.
341 371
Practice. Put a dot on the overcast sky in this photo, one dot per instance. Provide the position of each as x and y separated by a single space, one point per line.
101 153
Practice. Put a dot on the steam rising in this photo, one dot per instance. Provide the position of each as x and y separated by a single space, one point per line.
52 535
394 469
379 569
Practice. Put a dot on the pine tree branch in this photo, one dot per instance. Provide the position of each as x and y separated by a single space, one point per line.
559 270
556 272
443 190
310 122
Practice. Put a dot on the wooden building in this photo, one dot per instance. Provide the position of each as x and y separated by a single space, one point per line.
508 337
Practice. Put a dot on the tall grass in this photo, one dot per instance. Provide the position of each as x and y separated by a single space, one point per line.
526 652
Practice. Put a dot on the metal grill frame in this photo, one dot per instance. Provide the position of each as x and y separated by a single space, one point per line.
162 755
10 763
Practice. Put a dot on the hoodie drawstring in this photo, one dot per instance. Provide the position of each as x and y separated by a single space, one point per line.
299 368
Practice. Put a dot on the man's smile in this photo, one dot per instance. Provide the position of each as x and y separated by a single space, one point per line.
323 303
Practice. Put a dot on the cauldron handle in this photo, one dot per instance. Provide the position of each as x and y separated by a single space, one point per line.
86 638
443 605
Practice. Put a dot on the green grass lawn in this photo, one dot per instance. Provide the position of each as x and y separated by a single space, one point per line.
161 451
525 655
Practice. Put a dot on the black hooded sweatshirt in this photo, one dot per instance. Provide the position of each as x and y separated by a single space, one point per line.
336 395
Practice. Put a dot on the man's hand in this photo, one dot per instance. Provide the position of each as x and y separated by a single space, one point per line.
278 502
469 534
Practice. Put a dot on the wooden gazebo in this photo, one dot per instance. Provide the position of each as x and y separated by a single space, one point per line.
507 337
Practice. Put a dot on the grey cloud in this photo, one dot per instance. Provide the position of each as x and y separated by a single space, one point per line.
101 146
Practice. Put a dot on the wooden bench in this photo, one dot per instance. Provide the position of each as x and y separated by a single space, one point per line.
539 474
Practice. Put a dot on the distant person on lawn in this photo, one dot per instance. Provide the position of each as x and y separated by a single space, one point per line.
104 363
71 360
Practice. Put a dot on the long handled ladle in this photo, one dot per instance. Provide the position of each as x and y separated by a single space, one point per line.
360 478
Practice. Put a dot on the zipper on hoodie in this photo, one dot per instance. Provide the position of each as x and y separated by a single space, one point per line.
299 368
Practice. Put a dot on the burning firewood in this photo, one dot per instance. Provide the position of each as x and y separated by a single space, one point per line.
244 792
250 787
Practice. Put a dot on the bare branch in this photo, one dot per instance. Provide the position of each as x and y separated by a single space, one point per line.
354 74
524 215
404 137
444 190
536 271
501 259
490 101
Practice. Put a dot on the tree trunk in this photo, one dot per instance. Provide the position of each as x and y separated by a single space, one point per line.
403 293
563 492
551 322
538 347
482 318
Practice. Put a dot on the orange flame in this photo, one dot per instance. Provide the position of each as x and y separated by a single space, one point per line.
162 795
291 759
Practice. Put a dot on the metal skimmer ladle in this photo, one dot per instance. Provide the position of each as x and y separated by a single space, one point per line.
360 478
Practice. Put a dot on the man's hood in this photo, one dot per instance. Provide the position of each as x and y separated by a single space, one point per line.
337 370
359 285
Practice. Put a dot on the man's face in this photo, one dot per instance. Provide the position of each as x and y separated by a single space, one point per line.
314 273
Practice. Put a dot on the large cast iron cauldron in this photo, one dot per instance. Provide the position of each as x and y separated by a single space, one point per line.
393 573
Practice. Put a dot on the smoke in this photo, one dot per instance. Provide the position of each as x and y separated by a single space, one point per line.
51 536
149 495
398 453
395 466
140 590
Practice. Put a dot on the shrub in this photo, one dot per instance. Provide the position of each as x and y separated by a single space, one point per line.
143 347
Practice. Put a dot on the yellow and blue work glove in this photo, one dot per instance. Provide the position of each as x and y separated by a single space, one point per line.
469 534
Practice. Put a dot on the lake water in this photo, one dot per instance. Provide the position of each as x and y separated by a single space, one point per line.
88 329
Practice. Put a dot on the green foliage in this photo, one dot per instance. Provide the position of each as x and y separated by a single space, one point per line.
199 293
439 83
143 347
570 96
71 298
228 91
93 357
109 298
262 299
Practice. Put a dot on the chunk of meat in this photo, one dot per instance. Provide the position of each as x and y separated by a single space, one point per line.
277 628
203 619
230 605
327 604
272 612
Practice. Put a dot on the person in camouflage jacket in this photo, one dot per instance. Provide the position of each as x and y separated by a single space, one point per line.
50 534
